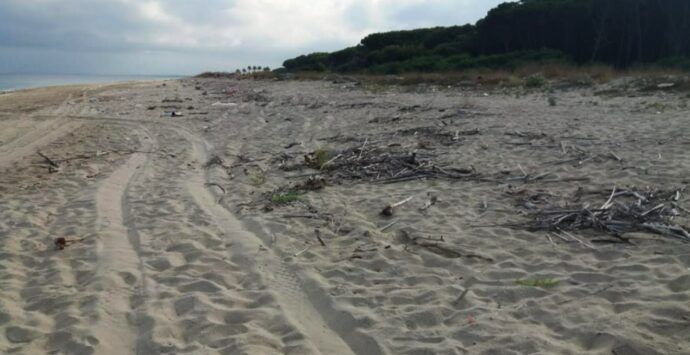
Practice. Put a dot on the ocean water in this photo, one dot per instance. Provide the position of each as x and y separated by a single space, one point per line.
10 82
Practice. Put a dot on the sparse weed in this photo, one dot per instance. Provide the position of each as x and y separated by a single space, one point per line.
319 158
285 198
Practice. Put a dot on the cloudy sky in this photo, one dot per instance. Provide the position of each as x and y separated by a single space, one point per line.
190 36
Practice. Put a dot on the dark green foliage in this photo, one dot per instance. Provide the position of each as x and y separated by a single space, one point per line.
615 32
311 62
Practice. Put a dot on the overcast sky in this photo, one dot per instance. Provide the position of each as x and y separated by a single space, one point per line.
190 36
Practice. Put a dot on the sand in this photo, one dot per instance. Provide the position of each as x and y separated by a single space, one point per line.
170 255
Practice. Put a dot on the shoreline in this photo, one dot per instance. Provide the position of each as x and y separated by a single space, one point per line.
38 81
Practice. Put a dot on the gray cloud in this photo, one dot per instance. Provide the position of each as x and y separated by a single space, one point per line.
182 36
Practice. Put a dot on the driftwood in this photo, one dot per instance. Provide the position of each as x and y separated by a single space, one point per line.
48 160
439 247
389 225
625 211
376 164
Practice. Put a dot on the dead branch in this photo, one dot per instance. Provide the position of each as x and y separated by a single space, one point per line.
48 160
318 237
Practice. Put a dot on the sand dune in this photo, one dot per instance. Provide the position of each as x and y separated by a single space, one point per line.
177 243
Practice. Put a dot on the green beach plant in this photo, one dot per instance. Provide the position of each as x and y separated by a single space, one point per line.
284 198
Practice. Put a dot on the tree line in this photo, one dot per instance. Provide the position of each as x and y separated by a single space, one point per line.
619 33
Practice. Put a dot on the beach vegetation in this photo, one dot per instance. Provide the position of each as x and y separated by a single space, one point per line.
284 198
513 34
535 81
319 158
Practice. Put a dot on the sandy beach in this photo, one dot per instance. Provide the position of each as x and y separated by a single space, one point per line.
246 222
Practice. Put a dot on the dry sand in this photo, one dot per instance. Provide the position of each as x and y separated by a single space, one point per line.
171 256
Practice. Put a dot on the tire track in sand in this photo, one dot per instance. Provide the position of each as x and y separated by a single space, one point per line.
28 143
120 269
303 303
44 134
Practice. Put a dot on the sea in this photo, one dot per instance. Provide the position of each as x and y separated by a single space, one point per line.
11 82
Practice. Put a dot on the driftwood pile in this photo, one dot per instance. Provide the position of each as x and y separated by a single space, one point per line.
381 165
625 211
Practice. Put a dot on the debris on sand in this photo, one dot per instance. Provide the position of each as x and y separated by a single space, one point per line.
62 243
381 165
625 211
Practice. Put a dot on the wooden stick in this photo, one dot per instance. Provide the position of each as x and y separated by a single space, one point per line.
562 238
615 156
607 205
48 160
361 150
462 295
216 185
522 170
538 177
318 237
652 210
331 161
550 240
303 251
578 240
400 203
389 225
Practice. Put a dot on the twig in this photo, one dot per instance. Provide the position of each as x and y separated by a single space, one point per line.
578 240
389 225
550 240
361 150
48 160
220 187
318 236
524 173
607 205
307 216
303 251
330 161
615 156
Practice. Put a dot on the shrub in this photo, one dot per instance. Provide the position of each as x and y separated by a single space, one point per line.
535 81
